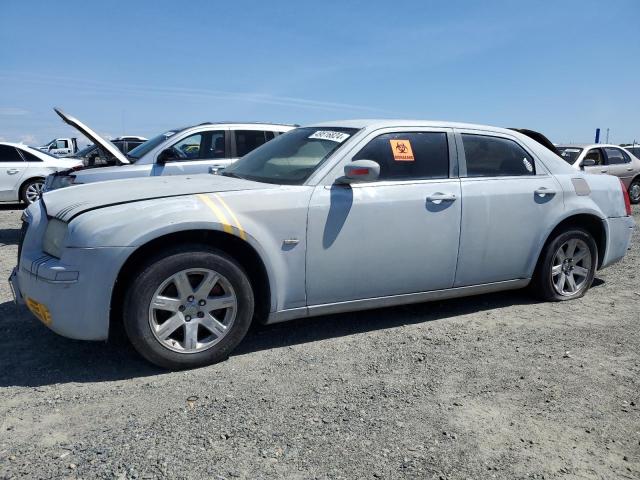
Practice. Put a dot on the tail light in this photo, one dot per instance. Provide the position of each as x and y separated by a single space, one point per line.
627 200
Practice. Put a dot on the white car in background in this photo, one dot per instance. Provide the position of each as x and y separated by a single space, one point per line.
608 159
204 148
23 170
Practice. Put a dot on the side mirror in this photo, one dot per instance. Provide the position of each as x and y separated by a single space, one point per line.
167 155
360 171
588 162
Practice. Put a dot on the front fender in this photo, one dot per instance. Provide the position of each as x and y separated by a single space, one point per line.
137 223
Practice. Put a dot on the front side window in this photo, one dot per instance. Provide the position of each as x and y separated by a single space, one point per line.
290 159
9 154
190 147
615 156
596 155
495 157
409 156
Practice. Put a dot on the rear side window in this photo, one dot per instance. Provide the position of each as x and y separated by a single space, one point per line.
61 144
495 157
248 140
9 154
615 156
409 156
29 157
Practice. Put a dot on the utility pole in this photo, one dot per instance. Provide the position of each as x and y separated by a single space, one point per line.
607 135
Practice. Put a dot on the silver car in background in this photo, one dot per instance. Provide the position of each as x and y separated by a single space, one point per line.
329 218
608 159
203 148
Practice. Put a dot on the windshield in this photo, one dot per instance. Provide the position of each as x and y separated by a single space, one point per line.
569 154
291 158
141 150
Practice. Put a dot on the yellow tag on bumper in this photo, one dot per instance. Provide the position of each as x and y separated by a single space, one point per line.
40 311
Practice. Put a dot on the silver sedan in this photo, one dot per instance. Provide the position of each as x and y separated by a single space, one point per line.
328 218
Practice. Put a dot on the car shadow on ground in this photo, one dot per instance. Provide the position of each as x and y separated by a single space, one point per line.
32 356
12 206
9 236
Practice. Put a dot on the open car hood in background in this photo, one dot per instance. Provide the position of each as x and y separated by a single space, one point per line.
93 136
538 137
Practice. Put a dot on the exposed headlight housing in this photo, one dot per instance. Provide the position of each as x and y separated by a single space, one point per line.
54 236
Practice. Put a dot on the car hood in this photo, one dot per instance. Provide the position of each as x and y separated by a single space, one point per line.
92 136
67 203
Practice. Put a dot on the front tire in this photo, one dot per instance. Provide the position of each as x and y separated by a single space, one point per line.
567 266
31 191
189 307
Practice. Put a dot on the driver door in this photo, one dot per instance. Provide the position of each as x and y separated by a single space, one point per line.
396 235
195 153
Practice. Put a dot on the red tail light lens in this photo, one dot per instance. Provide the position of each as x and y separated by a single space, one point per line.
627 201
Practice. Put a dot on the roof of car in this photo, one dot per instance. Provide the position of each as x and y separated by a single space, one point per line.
247 123
586 145
384 123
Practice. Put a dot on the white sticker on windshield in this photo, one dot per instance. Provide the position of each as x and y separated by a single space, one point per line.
330 135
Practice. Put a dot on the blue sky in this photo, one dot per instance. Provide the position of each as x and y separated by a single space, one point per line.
560 67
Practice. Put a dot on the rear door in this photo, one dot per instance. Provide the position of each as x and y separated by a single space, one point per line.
196 153
619 164
509 202
12 170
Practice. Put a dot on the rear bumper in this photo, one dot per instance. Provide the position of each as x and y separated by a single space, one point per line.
619 232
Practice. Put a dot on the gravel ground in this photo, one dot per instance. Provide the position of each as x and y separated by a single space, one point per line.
496 386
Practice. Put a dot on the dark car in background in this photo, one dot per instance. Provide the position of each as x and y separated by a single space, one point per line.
95 156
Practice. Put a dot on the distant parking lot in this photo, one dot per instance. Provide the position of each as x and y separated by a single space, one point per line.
495 386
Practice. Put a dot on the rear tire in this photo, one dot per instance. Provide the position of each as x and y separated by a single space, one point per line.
566 267
634 191
31 190
188 307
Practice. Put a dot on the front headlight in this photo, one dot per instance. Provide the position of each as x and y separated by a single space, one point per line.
54 236
55 182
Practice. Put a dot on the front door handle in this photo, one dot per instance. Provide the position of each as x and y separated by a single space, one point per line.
13 171
543 191
439 197
629 169
603 171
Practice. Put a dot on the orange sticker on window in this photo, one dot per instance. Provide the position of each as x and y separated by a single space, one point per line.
402 151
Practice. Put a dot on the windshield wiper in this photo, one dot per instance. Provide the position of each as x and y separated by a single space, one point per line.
231 174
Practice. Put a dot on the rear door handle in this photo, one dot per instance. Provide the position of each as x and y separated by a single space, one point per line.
438 198
629 169
542 191
603 171
13 171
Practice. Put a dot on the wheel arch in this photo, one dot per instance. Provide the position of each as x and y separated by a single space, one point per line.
24 182
587 221
242 251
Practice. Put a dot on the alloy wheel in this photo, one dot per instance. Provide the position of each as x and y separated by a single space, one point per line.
571 266
634 192
192 310
33 192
